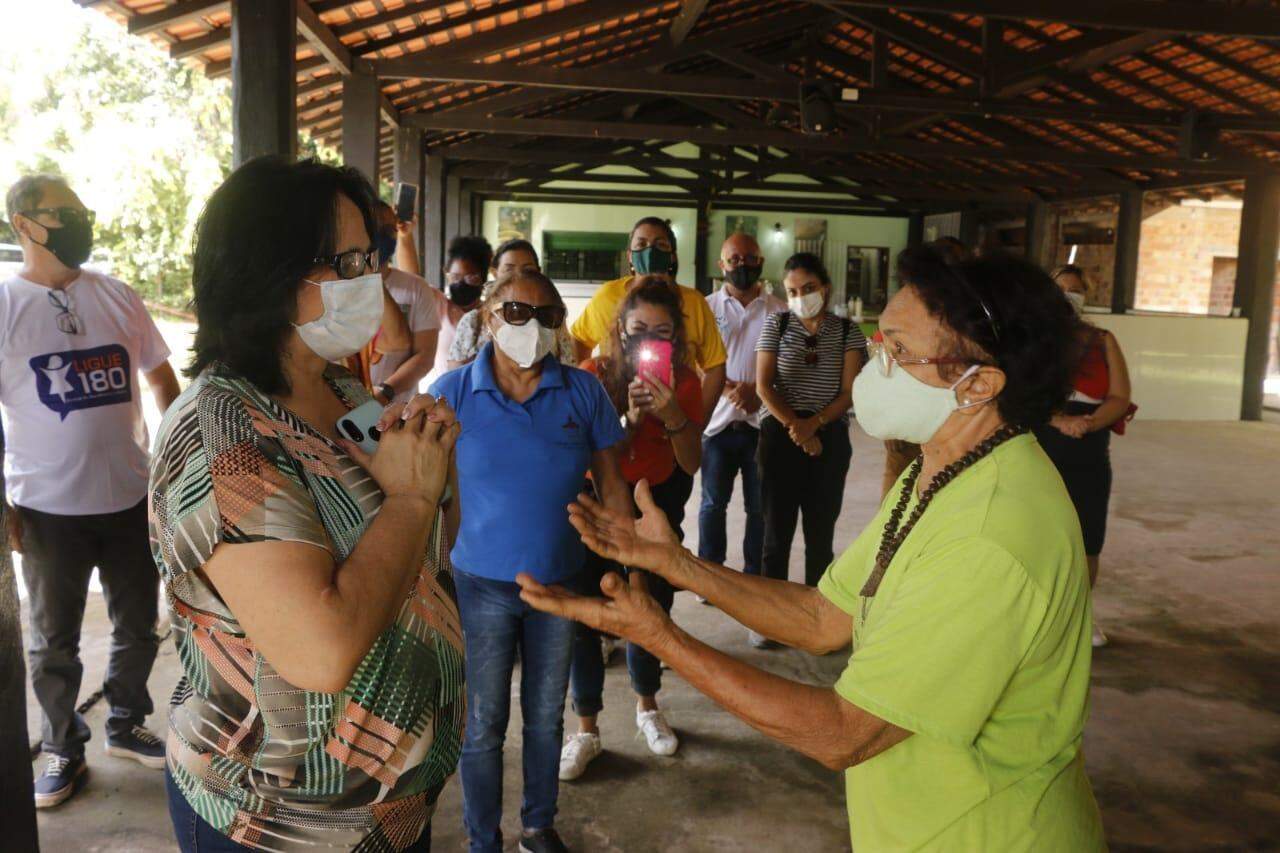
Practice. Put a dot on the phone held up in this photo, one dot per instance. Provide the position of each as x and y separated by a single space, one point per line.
406 200
655 362
360 425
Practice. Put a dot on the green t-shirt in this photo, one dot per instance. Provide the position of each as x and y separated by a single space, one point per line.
977 642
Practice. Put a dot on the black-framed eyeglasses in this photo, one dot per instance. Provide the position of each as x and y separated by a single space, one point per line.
351 264
519 313
810 349
743 261
64 215
68 321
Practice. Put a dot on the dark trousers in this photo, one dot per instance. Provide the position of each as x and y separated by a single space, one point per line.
586 679
59 553
724 455
195 835
495 622
795 484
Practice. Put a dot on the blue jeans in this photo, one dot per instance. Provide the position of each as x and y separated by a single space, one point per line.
724 454
196 835
494 623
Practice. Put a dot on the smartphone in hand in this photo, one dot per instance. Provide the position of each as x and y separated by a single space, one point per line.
360 425
654 361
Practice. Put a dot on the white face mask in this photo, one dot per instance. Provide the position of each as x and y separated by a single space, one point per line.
352 315
808 306
525 345
1077 301
900 406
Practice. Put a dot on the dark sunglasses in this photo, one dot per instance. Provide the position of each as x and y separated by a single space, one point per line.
810 349
519 313
351 264
64 215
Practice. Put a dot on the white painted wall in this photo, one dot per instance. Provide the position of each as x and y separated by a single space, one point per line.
1182 368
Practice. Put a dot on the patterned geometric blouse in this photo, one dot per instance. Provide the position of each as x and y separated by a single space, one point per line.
273 766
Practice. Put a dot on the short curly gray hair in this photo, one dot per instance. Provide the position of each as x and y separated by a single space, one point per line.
27 192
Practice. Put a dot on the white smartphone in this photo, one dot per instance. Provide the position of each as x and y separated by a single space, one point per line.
360 425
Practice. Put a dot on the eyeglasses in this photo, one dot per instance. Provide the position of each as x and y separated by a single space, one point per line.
742 261
519 313
811 349
351 264
878 352
469 278
64 215
68 321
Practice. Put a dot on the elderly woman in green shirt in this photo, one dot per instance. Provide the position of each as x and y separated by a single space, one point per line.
959 716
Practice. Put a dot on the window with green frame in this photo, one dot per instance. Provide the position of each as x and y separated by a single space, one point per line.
584 255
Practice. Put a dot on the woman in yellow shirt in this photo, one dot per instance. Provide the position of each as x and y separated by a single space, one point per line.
959 718
653 252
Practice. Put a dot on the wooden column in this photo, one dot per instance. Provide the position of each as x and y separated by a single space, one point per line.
467 212
1124 282
361 121
452 205
15 750
915 229
968 228
263 112
431 218
1039 215
1256 282
702 232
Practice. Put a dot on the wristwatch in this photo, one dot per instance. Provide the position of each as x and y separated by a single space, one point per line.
386 391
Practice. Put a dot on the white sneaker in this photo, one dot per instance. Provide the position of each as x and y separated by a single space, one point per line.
578 751
661 739
1099 638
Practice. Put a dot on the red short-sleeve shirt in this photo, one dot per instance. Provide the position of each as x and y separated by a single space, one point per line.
650 456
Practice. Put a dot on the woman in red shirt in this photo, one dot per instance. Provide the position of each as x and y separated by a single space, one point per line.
1078 439
664 430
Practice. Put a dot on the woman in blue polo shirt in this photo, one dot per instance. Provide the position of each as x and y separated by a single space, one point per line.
531 430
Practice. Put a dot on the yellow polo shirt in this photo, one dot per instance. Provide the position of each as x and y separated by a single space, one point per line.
706 347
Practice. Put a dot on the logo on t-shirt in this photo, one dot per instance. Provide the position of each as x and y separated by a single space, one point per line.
83 379
570 425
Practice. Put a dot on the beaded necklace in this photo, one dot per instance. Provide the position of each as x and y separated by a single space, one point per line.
895 533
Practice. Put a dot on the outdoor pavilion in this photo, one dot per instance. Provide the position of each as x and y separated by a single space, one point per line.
963 108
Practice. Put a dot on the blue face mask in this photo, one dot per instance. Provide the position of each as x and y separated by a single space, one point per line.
652 259
386 241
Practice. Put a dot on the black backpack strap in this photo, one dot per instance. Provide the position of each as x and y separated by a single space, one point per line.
845 323
784 317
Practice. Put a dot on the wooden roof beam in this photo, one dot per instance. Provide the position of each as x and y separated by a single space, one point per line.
684 23
172 15
328 45
1171 16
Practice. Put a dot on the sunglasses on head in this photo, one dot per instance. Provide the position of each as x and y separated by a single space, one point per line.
518 313
351 264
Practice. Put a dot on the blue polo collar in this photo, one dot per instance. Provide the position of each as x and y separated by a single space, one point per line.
482 372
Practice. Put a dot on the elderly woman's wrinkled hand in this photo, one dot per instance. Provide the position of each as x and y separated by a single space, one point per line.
626 610
437 410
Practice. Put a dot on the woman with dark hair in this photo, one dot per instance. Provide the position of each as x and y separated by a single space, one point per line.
513 257
466 267
653 253
663 421
958 720
1078 438
321 703
806 359
531 430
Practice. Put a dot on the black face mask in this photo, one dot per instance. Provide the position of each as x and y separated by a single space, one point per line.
744 277
71 243
464 294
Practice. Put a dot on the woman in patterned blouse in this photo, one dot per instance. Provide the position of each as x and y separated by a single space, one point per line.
322 701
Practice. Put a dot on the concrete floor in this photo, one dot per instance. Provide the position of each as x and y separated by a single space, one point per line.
1183 744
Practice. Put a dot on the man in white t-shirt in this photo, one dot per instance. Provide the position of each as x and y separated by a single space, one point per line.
72 343
730 438
395 376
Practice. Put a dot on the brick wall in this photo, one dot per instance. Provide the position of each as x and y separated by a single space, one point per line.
1180 248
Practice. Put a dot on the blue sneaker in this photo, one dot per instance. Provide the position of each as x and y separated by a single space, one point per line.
138 744
58 781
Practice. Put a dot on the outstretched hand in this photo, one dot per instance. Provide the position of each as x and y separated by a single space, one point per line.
626 610
644 543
